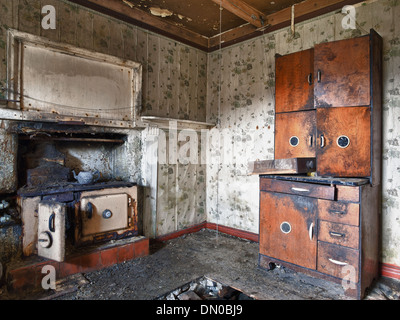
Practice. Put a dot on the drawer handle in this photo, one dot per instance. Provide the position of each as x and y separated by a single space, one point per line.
310 231
300 189
339 263
336 234
337 212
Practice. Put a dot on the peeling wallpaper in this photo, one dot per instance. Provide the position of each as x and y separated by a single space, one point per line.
241 101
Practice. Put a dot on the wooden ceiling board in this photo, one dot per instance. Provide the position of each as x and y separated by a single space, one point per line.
200 16
197 22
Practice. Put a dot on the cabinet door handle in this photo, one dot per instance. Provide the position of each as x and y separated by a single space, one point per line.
311 141
340 263
309 78
300 189
319 73
310 231
322 141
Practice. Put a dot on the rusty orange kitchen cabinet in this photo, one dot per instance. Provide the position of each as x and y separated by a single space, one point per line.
324 227
343 130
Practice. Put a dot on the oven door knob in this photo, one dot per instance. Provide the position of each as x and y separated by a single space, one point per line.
107 214
45 240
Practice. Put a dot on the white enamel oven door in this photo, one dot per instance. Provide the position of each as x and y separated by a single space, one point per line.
51 230
104 213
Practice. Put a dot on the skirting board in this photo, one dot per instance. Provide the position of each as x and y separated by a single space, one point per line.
386 270
212 226
390 271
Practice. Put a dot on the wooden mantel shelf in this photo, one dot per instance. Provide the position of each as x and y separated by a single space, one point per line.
164 123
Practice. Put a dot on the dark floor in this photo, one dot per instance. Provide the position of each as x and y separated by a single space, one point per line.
228 260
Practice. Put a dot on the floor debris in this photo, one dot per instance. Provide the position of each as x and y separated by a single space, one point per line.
226 260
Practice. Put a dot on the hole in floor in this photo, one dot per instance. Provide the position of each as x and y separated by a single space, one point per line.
204 288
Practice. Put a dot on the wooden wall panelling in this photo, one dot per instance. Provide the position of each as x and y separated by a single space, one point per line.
172 59
193 79
67 22
29 16
165 87
84 29
184 84
130 45
101 34
153 104
141 57
186 196
116 39
202 79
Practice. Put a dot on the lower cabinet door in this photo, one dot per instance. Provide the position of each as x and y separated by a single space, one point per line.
287 228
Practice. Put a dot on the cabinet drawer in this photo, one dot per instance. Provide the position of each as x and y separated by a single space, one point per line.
298 188
336 260
341 212
338 233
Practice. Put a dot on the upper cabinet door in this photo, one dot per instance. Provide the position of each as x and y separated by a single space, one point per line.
294 89
342 73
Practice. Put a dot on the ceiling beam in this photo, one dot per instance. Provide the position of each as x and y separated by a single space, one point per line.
303 11
243 11
120 10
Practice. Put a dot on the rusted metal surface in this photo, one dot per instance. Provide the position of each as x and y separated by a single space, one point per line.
47 175
76 84
46 166
123 222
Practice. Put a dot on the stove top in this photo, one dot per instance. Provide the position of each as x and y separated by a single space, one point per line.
63 187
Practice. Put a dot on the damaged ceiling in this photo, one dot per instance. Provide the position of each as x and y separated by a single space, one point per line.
207 24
